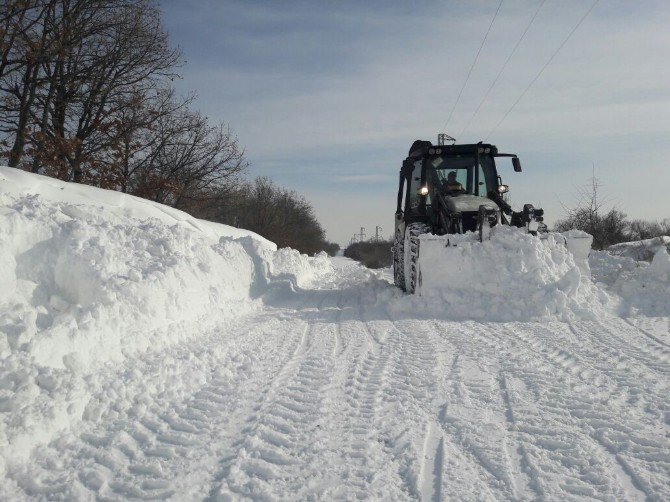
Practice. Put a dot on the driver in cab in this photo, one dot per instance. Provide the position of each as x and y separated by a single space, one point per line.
452 184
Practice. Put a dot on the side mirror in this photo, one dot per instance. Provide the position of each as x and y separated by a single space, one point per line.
517 164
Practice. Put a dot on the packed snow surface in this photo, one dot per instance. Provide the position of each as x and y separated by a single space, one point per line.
148 355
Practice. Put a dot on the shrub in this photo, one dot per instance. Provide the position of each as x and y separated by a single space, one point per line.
372 254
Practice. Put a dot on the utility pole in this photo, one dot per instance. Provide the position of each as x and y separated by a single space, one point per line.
378 230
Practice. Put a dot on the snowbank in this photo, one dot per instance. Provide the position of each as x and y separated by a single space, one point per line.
114 204
643 250
512 276
643 288
289 264
607 268
90 277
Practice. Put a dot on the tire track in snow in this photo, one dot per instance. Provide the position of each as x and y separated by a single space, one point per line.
474 417
432 464
415 385
273 459
641 342
209 405
362 393
610 338
432 474
436 439
649 335
581 422
164 448
597 368
523 472
355 394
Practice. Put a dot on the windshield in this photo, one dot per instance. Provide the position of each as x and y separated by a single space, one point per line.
459 174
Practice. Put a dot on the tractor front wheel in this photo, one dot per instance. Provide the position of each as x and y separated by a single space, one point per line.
412 272
399 260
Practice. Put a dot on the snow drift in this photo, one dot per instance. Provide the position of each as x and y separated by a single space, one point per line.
643 250
90 277
642 288
512 276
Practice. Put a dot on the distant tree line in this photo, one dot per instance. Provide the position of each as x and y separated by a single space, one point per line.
607 226
372 254
86 96
276 213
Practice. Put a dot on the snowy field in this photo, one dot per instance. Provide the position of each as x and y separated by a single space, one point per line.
148 355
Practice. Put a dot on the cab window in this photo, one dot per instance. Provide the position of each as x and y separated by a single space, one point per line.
414 184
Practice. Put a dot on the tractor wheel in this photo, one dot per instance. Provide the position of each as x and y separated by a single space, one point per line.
412 272
399 260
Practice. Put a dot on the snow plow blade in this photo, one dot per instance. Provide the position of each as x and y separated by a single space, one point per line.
512 267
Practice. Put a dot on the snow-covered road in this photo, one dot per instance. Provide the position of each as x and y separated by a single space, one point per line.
327 394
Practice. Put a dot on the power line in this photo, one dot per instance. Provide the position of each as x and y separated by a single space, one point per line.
488 91
595 2
458 98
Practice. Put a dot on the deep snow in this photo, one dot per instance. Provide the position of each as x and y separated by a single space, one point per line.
92 277
146 354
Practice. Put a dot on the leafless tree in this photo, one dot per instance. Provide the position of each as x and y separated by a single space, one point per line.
278 214
86 96
591 214
125 54
25 46
189 161
79 61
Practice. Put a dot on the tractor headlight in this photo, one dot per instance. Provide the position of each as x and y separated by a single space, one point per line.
503 188
431 151
423 191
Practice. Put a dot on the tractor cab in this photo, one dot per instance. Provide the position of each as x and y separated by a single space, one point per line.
451 189
446 186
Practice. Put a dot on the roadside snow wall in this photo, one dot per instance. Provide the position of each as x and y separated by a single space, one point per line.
513 276
643 288
647 291
643 250
90 277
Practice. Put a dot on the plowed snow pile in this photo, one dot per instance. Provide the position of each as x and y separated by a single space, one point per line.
90 277
513 276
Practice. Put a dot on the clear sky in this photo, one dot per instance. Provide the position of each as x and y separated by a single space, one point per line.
327 96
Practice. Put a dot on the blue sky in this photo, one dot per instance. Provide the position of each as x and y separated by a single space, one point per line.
327 97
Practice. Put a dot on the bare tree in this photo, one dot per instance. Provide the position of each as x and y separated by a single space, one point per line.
590 215
278 214
86 96
80 60
190 160
125 53
25 45
133 143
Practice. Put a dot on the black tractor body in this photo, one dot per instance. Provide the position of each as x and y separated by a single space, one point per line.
451 189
